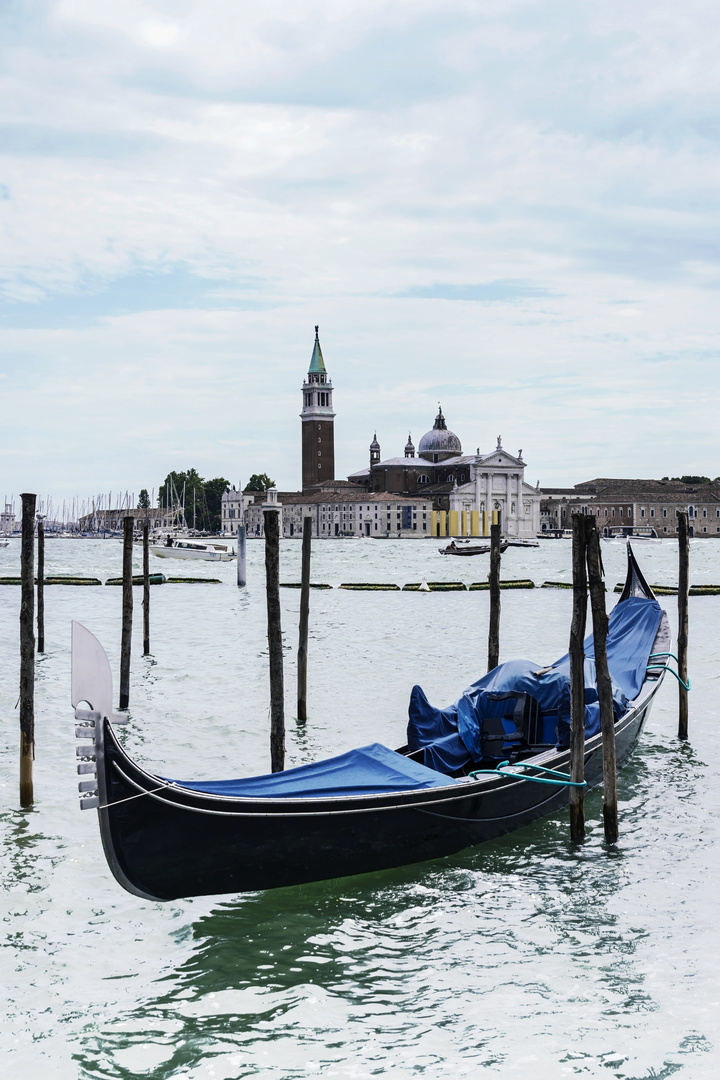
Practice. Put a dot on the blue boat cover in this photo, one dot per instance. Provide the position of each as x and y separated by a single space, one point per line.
369 770
453 736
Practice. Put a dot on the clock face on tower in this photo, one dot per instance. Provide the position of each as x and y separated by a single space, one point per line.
318 423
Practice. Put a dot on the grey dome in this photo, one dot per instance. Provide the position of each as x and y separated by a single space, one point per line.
440 440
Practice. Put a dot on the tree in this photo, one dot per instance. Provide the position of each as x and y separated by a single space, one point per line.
143 499
213 492
200 499
259 482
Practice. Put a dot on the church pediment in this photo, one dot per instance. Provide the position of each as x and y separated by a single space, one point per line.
500 459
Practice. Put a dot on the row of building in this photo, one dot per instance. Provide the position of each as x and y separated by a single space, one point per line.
437 490
434 490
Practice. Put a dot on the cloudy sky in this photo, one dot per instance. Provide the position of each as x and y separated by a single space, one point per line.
510 206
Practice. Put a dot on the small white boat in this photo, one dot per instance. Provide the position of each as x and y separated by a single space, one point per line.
639 535
208 550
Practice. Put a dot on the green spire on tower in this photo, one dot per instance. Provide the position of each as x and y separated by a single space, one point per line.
317 364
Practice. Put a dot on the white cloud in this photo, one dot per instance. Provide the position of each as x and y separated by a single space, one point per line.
187 188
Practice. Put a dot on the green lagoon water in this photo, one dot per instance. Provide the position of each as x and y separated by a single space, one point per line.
521 958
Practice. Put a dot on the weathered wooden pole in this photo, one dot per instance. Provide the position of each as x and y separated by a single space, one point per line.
577 679
494 575
304 620
127 612
40 586
146 587
27 650
242 556
277 692
682 635
604 682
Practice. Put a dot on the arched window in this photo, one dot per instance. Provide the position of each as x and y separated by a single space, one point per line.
423 478
451 478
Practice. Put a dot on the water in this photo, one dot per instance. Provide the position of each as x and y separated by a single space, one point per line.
519 958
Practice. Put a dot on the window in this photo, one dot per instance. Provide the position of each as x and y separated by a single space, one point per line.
642 512
704 513
665 513
652 511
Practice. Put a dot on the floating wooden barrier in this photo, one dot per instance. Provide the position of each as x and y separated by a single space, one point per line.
556 585
522 583
298 585
57 579
193 581
155 579
434 586
365 586
671 590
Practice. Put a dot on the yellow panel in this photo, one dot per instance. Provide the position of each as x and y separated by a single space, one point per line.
443 522
485 525
463 523
453 523
474 523
433 523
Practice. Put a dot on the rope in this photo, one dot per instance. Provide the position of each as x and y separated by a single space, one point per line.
129 798
564 780
657 655
664 667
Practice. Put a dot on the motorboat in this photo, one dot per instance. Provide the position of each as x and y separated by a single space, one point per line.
464 548
209 550
639 534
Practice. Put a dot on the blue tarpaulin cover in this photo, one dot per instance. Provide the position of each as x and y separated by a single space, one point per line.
369 770
452 736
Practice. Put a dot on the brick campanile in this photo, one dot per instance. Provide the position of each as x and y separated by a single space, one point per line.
318 427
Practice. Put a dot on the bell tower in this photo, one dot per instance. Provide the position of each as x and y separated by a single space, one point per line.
318 427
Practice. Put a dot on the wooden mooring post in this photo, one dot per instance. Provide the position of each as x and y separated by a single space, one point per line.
577 678
494 576
27 650
604 682
277 692
682 634
146 587
40 585
304 620
242 556
127 612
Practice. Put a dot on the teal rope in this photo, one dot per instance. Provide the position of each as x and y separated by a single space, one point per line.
565 781
656 655
664 667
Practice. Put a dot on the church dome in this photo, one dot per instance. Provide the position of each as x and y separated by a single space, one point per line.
439 441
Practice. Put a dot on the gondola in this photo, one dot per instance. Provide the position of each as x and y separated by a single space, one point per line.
495 761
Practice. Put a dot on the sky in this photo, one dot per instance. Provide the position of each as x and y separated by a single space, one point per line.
508 207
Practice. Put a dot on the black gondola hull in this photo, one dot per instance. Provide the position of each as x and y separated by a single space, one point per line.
173 843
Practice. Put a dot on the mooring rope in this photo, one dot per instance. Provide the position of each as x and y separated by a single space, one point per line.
563 781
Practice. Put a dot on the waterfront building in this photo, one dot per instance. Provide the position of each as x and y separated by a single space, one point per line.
7 520
233 505
465 489
342 510
619 504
